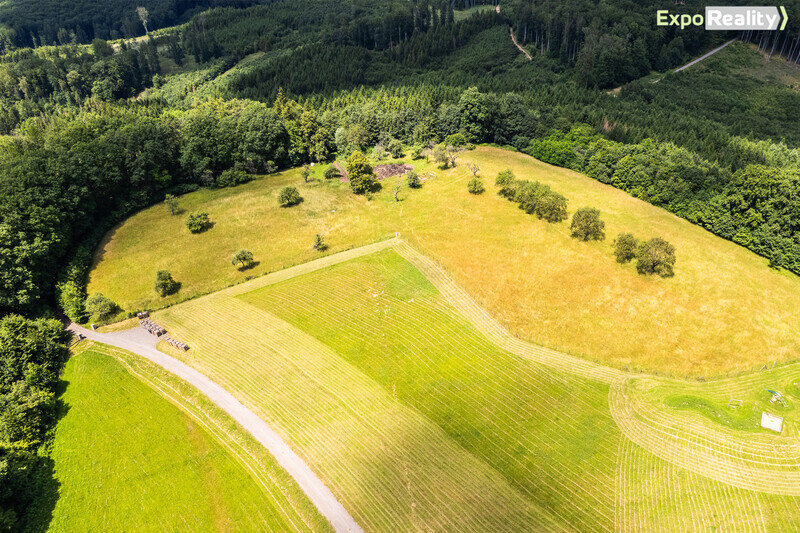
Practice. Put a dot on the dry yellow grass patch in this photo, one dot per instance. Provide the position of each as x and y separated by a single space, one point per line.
724 310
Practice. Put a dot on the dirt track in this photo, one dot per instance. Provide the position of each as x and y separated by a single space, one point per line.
142 343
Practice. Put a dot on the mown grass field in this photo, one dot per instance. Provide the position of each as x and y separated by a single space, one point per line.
654 495
724 311
128 459
416 421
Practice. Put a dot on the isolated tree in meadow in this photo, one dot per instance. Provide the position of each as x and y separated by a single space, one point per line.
413 180
656 256
359 171
144 16
625 247
243 258
198 222
165 285
452 153
100 306
552 207
474 168
587 226
289 196
475 185
319 243
306 173
172 204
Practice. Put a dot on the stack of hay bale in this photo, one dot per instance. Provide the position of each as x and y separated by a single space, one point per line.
152 327
177 344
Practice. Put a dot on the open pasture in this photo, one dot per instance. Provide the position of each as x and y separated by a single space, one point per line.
724 311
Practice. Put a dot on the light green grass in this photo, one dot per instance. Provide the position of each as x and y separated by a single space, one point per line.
415 421
653 495
390 466
549 435
463 14
127 459
725 309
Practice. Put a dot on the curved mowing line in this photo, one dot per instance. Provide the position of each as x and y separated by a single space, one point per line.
316 491
754 464
736 462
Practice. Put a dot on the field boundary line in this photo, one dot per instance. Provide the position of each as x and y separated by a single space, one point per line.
496 333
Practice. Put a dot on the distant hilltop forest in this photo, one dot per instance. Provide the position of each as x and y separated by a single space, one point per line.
604 44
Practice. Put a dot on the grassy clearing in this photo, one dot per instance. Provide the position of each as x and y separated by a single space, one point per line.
127 459
462 14
724 311
748 60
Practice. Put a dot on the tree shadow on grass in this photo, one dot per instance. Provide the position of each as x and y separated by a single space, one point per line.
251 266
43 483
207 226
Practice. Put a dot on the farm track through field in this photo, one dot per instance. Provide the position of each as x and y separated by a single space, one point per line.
657 439
317 492
347 426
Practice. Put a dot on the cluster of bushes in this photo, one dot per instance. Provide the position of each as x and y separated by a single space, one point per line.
533 197
198 222
289 196
654 256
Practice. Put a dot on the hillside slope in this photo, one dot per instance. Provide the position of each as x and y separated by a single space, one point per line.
724 309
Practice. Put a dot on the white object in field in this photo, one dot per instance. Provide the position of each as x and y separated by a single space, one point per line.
768 421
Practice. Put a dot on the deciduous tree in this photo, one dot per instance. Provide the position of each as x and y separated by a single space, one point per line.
656 256
587 226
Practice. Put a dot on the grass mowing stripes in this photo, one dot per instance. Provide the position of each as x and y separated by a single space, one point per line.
382 386
548 434
654 495
127 459
390 467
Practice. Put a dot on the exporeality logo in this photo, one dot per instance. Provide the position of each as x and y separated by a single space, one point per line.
719 18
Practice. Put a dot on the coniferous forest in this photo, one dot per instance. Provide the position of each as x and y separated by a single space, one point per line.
94 128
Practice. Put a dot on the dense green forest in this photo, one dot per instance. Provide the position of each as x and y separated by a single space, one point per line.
92 131
25 23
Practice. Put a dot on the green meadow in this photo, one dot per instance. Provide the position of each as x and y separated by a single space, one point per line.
128 459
